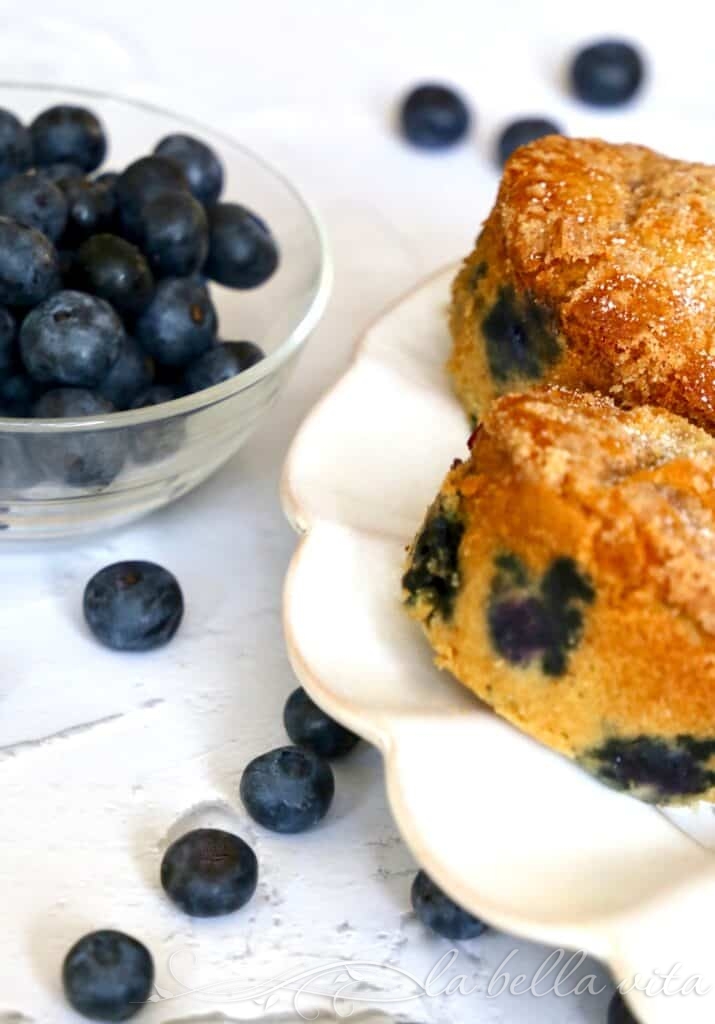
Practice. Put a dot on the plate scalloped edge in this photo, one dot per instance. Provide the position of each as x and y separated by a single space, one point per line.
510 830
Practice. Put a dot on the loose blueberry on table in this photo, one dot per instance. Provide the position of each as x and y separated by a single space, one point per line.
607 73
133 606
441 914
434 117
308 726
209 872
288 789
108 976
522 131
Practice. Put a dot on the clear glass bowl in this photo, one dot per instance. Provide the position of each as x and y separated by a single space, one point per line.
165 451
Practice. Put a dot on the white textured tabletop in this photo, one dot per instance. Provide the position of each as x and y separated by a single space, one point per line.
102 756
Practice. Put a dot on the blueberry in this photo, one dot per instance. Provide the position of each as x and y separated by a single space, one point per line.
16 468
8 334
220 363
288 789
60 172
18 393
529 618
15 145
618 1012
437 911
35 202
175 234
519 340
108 976
654 768
199 163
309 726
68 134
607 73
130 377
72 339
107 178
180 322
154 441
242 251
88 458
29 266
115 270
133 606
90 210
521 132
434 574
142 181
209 872
434 117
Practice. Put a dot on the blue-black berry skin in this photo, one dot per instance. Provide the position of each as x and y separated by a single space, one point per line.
175 234
35 202
60 172
242 251
18 393
71 339
29 265
108 976
115 270
130 377
8 334
607 73
90 210
434 117
288 790
199 162
618 1012
209 872
220 363
151 442
521 132
441 914
15 145
85 459
179 324
133 606
142 181
308 726
68 134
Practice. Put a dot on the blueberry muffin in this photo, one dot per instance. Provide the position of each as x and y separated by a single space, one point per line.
595 270
566 574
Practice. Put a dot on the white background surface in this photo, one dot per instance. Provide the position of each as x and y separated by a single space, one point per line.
135 743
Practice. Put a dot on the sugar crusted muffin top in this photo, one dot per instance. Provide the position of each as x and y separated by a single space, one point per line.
644 480
616 244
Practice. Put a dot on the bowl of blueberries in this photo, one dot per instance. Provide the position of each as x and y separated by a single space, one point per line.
157 282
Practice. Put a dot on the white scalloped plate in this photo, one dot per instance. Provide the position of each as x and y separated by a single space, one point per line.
510 830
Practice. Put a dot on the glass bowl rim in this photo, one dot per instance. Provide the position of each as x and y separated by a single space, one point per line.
243 381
